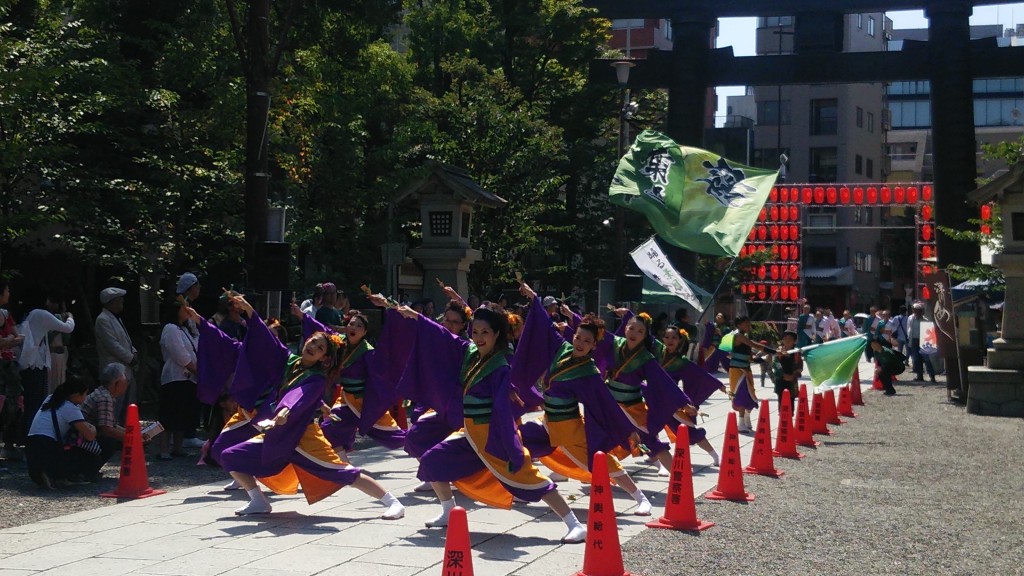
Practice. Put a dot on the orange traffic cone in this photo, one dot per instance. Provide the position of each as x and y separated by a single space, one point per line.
680 510
855 395
785 441
761 460
730 474
603 556
804 427
829 409
458 558
818 423
134 480
845 404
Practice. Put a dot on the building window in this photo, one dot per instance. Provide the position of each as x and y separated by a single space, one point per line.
666 25
823 164
440 224
871 122
820 257
769 157
911 114
862 215
871 26
768 112
860 117
776 21
862 262
909 88
998 111
824 117
869 168
858 164
860 21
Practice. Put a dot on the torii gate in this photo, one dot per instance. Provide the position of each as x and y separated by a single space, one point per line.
950 61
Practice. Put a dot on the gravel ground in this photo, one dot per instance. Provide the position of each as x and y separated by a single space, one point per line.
913 485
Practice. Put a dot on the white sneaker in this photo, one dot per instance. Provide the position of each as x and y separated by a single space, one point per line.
576 535
254 507
423 487
643 508
233 485
394 512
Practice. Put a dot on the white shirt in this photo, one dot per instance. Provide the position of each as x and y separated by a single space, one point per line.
833 326
67 415
35 350
112 341
178 346
914 326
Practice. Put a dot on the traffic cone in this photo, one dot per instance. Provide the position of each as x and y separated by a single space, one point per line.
845 404
803 427
785 441
818 422
680 510
829 409
458 558
134 480
730 473
876 384
603 556
761 460
855 395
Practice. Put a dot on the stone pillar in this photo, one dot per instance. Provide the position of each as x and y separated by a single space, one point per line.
450 265
1007 352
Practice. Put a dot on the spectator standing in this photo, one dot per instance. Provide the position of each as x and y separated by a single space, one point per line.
328 313
113 344
34 360
915 335
229 315
11 397
188 287
179 407
58 343
899 330
847 325
805 328
309 307
49 464
99 410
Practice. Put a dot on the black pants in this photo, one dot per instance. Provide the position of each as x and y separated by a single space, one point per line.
46 455
35 381
886 377
781 386
108 447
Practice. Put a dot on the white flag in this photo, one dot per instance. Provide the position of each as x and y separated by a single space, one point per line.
653 262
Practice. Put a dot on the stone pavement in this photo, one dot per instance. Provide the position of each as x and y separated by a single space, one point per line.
193 532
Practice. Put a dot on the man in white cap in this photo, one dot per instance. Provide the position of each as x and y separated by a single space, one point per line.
113 344
188 286
551 305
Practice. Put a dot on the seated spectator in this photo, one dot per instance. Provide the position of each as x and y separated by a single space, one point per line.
99 410
51 460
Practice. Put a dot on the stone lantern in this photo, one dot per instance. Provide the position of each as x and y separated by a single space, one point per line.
998 389
447 196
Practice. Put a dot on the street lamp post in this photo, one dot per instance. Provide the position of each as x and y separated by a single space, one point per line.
622 75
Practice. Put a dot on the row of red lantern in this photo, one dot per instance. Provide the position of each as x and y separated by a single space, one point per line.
775 233
780 213
986 218
771 292
777 272
779 251
856 194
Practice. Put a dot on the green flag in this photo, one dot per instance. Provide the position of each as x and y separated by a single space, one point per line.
833 364
693 198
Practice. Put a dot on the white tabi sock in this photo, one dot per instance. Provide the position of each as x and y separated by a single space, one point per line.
643 507
395 508
442 520
577 532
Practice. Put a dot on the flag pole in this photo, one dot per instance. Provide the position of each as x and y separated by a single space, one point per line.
813 346
717 289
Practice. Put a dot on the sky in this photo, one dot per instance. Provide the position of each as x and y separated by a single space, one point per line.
739 33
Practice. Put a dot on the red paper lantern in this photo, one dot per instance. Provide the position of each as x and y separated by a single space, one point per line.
794 213
794 252
844 195
784 249
986 229
926 193
751 289
926 269
762 232
762 271
773 213
819 195
794 232
807 195
783 195
899 195
774 232
775 251
774 272
753 234
773 196
762 214
926 252
794 271
784 292
858 195
926 232
794 293
926 292
872 195
885 195
986 211
784 233
774 291
831 195
926 212
912 195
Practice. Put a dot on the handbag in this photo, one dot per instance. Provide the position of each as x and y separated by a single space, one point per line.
74 440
